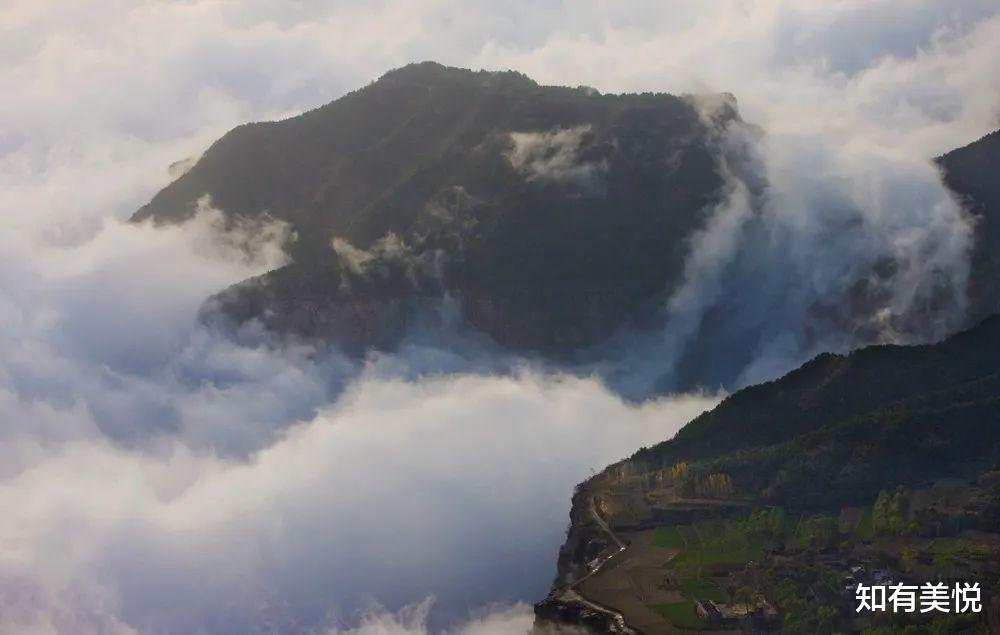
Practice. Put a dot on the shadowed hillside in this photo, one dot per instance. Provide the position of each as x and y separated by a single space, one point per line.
555 217
972 173
555 214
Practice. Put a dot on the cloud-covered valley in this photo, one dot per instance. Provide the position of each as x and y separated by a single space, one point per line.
451 487
165 479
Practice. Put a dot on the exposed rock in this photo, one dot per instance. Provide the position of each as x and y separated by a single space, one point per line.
566 607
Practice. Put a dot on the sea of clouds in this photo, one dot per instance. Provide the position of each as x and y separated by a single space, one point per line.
155 478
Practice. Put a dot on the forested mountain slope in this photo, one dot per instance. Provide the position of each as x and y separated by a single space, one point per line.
555 214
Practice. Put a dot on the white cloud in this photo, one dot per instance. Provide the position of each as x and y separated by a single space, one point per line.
413 620
553 155
453 487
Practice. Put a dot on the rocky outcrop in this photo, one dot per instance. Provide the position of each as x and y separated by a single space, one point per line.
586 540
568 608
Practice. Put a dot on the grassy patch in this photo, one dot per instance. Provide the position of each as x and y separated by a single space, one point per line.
866 528
949 546
681 615
715 554
702 590
708 543
668 537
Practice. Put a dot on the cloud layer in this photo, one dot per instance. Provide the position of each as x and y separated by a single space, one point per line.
453 487
157 479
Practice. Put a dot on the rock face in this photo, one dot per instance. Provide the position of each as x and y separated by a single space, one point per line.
566 608
555 215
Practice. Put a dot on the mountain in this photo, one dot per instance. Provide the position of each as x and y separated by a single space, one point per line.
886 459
555 215
971 172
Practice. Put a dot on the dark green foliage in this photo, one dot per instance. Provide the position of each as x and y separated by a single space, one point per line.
881 417
866 528
819 531
806 595
890 515
769 524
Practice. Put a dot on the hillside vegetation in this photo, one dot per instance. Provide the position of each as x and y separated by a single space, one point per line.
555 214
878 466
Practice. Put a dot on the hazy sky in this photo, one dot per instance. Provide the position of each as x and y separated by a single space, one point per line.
156 479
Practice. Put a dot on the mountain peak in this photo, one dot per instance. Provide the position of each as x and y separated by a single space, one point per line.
430 71
515 198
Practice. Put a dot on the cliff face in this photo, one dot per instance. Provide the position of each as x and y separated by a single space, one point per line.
554 214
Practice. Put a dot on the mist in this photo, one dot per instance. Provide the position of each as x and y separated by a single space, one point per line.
157 477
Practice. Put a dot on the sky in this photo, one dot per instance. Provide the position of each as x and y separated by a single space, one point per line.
158 479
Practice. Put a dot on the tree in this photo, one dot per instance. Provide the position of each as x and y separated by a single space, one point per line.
880 513
819 531
890 515
682 478
715 486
